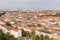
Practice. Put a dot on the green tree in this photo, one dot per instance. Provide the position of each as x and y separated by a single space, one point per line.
2 14
12 38
28 34
41 37
47 37
8 24
33 33
23 33
36 37
6 36
39 25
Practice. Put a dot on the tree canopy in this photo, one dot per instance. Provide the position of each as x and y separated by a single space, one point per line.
7 36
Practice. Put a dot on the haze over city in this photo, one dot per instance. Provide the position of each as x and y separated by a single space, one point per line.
29 19
30 4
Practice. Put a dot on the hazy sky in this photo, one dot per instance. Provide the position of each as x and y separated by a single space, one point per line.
30 4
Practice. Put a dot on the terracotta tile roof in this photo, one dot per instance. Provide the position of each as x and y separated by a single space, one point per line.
13 29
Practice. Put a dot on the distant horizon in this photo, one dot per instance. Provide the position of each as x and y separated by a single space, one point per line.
26 10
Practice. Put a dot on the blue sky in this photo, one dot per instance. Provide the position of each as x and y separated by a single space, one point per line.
30 4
